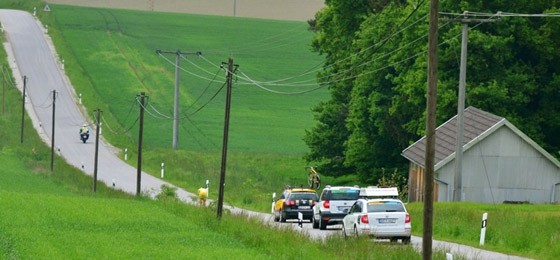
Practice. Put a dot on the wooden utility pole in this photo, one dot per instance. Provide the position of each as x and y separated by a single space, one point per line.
23 107
430 132
140 134
53 120
97 130
230 71
178 54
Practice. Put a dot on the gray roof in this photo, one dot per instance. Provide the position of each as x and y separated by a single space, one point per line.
475 121
477 125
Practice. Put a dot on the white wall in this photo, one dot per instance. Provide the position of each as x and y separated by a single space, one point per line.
503 167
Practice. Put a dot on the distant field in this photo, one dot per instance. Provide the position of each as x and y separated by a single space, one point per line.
293 10
110 56
116 52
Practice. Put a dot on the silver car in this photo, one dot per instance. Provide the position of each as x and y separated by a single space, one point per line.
378 218
335 201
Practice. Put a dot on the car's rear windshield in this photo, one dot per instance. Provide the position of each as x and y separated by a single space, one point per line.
346 194
385 206
304 196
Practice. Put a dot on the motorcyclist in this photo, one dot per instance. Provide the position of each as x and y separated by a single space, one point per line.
84 130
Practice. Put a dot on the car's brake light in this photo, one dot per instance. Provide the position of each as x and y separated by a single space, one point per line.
326 204
290 202
364 219
407 218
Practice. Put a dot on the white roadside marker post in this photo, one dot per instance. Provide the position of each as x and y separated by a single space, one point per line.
207 188
300 219
483 228
162 170
125 154
273 200
448 256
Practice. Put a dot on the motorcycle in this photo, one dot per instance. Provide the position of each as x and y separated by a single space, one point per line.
84 137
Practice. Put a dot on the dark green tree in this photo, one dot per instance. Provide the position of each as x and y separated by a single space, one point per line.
335 25
376 72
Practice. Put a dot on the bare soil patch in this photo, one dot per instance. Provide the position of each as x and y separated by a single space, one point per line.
291 10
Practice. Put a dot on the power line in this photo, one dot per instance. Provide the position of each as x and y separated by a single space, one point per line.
206 89
201 132
501 14
280 92
212 98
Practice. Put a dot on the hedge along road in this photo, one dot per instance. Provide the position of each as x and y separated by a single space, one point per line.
31 54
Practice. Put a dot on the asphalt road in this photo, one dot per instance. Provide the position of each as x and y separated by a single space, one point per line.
31 54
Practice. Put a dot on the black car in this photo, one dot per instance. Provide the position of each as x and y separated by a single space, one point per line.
296 202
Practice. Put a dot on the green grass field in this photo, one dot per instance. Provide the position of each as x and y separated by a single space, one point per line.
56 215
110 57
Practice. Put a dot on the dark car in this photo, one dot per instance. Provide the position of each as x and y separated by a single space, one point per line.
294 202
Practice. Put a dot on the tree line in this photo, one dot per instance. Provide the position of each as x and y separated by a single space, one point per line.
375 69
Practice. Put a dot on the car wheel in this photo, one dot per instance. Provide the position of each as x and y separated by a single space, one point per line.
276 219
282 217
344 232
315 223
406 241
394 240
322 224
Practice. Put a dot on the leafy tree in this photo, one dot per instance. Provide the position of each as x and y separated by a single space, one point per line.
376 72
335 26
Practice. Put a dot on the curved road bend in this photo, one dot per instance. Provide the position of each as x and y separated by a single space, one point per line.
31 54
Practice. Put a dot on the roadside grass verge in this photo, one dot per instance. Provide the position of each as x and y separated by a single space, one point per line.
525 230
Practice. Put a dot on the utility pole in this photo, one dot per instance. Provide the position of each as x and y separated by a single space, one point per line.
97 118
458 178
3 88
53 120
430 132
178 54
23 106
230 71
140 134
